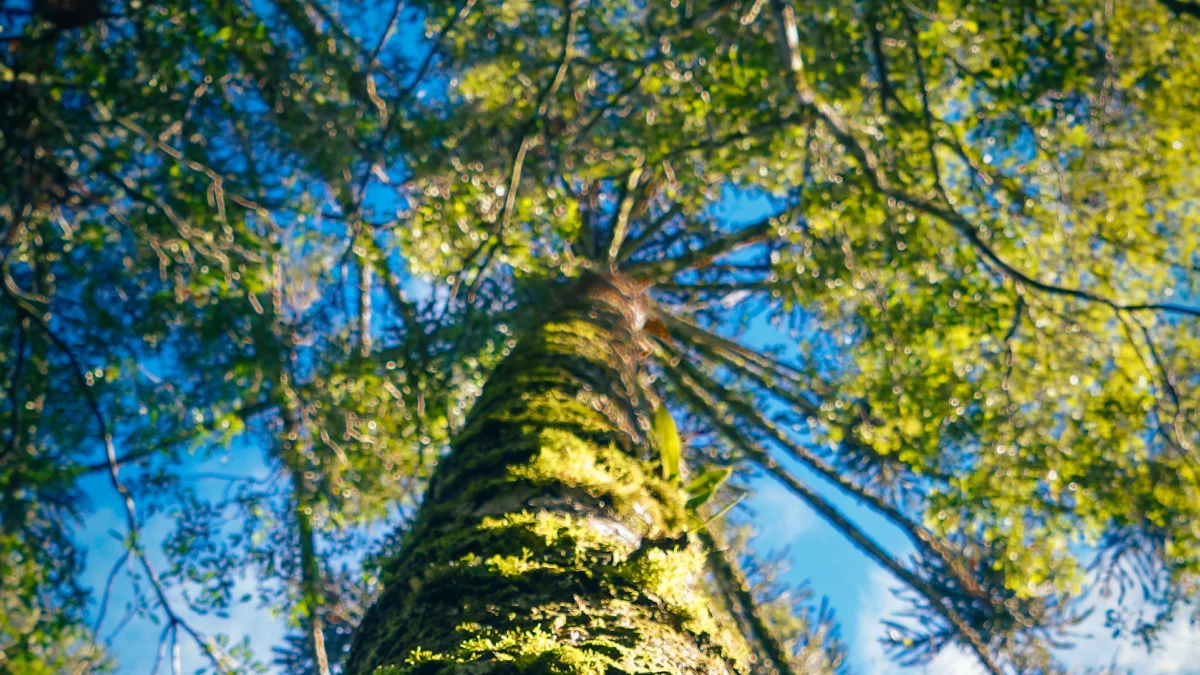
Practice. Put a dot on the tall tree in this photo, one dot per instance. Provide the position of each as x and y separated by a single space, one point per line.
547 540
973 245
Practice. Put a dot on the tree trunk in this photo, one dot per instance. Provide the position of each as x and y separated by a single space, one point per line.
548 542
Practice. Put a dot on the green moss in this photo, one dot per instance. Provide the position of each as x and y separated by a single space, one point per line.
534 410
670 576
517 566
629 484
535 650
565 534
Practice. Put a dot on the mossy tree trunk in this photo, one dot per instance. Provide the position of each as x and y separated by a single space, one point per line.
548 541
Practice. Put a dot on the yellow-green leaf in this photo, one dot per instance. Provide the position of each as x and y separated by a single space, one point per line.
669 447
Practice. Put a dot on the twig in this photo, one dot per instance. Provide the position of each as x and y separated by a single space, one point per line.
393 21
108 584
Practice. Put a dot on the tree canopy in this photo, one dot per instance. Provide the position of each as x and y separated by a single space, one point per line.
309 230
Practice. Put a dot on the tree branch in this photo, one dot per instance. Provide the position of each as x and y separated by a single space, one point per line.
244 412
871 167
518 163
857 537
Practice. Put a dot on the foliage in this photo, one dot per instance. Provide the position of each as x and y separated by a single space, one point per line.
286 229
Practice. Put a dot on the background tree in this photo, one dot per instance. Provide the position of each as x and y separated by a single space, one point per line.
281 227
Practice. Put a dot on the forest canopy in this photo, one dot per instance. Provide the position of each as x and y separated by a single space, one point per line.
935 258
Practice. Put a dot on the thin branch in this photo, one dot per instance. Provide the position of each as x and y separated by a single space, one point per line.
762 361
951 217
217 179
966 228
631 246
788 39
1168 380
393 22
391 284
423 69
886 93
176 660
162 649
621 225
734 582
364 307
926 109
102 607
244 413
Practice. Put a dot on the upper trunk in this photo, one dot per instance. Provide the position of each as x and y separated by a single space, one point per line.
548 542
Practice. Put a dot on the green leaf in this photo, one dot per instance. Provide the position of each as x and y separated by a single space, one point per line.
705 486
667 438
224 34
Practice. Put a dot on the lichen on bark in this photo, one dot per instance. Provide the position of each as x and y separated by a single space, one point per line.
548 542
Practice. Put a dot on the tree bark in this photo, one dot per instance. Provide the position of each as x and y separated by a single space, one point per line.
548 542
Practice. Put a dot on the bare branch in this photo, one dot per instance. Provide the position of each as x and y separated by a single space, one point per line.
364 307
621 226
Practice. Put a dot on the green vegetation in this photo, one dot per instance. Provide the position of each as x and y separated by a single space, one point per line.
467 271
